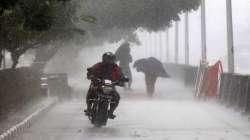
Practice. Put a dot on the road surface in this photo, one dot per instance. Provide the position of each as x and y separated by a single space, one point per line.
165 117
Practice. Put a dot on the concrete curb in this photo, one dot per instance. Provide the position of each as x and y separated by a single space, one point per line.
26 123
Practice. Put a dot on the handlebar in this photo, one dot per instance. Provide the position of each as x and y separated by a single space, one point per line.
113 83
99 80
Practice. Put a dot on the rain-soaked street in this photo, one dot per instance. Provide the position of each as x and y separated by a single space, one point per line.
190 56
172 114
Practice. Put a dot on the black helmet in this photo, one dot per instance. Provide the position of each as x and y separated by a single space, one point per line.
108 57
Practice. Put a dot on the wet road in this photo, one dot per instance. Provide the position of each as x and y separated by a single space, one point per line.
166 117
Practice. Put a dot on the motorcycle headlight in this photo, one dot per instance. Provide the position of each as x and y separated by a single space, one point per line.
107 89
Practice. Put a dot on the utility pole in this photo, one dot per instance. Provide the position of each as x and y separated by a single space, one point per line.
167 45
176 42
230 38
186 39
203 31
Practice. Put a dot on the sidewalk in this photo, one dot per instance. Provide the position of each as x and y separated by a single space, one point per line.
12 118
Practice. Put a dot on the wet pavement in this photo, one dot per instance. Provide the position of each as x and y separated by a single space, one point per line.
165 117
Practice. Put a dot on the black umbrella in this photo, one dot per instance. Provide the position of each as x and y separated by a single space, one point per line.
151 66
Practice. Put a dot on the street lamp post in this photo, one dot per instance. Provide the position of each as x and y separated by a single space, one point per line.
167 45
230 39
176 42
186 39
203 31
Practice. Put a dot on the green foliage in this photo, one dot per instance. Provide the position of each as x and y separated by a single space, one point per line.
38 14
26 24
6 4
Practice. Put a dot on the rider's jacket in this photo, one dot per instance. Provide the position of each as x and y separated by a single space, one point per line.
106 71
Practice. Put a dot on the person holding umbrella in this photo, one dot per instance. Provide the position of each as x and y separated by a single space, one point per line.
124 58
152 68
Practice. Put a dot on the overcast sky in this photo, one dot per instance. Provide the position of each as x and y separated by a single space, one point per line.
216 34
216 41
74 62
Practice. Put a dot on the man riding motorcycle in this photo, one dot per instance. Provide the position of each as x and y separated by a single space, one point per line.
107 69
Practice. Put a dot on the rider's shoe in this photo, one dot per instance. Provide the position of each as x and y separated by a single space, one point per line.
111 115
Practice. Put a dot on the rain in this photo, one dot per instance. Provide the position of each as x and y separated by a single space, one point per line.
133 69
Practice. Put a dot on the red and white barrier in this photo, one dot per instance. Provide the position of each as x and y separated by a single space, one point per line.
207 83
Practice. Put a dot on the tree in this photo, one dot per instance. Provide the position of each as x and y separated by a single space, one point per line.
27 24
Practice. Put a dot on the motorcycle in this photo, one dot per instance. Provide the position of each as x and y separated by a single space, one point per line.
100 105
